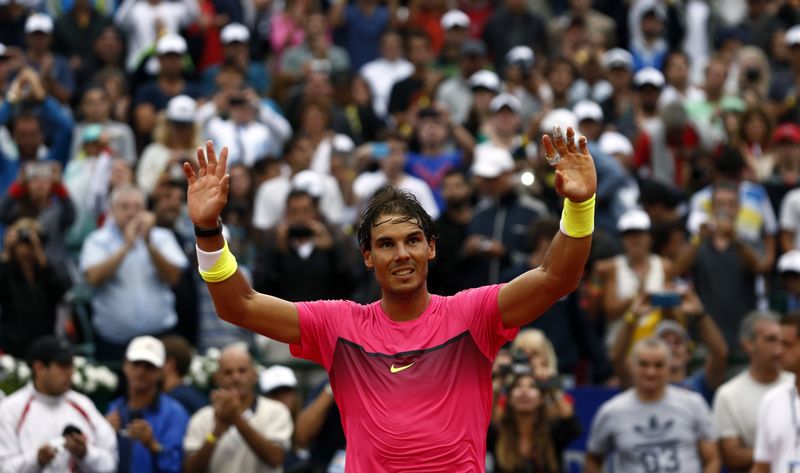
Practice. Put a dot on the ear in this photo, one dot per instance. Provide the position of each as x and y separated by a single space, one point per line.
367 255
431 250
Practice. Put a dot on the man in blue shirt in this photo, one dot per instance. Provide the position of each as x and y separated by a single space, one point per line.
150 425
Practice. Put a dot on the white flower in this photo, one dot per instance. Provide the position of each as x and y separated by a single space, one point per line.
7 364
76 380
23 372
106 378
79 362
213 353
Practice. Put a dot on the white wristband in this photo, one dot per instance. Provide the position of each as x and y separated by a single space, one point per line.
206 260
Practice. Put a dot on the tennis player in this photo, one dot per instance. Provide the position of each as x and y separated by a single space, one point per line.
411 373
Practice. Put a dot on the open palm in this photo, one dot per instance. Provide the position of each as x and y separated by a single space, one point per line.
576 178
208 189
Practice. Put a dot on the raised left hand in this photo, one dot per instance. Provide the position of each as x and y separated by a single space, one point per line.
576 178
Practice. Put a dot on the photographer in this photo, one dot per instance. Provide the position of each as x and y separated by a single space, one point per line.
674 311
302 259
40 194
535 427
30 289
33 118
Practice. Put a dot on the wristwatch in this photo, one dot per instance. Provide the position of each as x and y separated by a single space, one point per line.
209 232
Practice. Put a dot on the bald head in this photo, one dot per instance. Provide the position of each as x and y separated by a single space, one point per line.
236 370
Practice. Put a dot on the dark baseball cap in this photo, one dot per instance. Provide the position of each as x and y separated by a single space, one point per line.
50 348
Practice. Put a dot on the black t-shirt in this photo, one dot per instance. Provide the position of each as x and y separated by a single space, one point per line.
405 93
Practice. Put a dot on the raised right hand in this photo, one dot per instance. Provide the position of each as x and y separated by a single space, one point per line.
208 189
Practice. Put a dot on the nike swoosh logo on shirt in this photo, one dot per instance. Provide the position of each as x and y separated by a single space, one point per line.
398 369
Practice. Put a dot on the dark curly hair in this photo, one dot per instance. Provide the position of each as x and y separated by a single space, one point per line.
390 200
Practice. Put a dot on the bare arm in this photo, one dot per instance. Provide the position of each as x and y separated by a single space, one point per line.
593 464
336 17
709 455
198 461
717 359
760 468
564 261
234 299
735 454
311 419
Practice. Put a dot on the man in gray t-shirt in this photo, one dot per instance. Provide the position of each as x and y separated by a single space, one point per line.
653 427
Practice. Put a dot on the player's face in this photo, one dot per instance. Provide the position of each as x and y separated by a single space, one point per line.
399 254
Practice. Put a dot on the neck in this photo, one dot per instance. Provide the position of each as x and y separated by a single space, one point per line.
525 422
651 396
764 374
405 307
431 150
142 399
171 381
677 374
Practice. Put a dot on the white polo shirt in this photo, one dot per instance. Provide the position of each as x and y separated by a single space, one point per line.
778 430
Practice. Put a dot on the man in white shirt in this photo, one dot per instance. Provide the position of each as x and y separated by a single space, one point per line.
239 431
47 427
736 403
391 157
778 430
382 73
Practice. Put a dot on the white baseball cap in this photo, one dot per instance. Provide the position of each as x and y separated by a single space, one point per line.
562 117
3 50
455 19
146 348
171 43
588 110
491 161
276 377
181 108
486 80
39 23
505 100
234 33
649 76
633 220
792 36
614 142
789 262
617 58
520 54
309 181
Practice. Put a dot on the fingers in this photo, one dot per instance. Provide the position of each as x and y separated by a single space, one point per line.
211 156
223 162
224 183
571 140
189 172
201 161
547 143
558 141
583 145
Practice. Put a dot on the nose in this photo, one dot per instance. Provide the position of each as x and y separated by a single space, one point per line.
402 252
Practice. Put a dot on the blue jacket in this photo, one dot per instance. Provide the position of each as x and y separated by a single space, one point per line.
168 419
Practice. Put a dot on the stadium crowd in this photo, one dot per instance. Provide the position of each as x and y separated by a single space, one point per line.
690 303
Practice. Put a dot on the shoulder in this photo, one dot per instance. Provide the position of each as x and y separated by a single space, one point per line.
171 408
685 397
82 400
778 394
15 403
203 415
619 404
730 388
269 408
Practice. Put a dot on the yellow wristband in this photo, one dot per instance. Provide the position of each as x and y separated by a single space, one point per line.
211 438
223 268
577 220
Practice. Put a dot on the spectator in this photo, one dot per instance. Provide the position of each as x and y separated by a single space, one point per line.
406 95
676 73
362 23
54 69
95 107
776 429
178 358
524 81
497 236
31 288
316 47
650 48
512 24
280 384
319 429
34 117
670 320
154 96
149 424
177 136
504 127
305 259
754 142
131 266
46 426
76 30
455 26
107 59
653 426
145 22
235 39
239 431
736 403
384 71
447 270
484 87
391 158
456 91
271 195
316 123
41 195
618 108
534 429
786 298
286 27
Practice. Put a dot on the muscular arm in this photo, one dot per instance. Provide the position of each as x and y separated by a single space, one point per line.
716 361
709 456
735 454
558 275
760 468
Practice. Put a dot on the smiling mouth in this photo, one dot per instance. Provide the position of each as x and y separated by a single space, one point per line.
403 272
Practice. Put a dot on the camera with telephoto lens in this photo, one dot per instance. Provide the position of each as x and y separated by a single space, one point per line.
24 235
300 231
